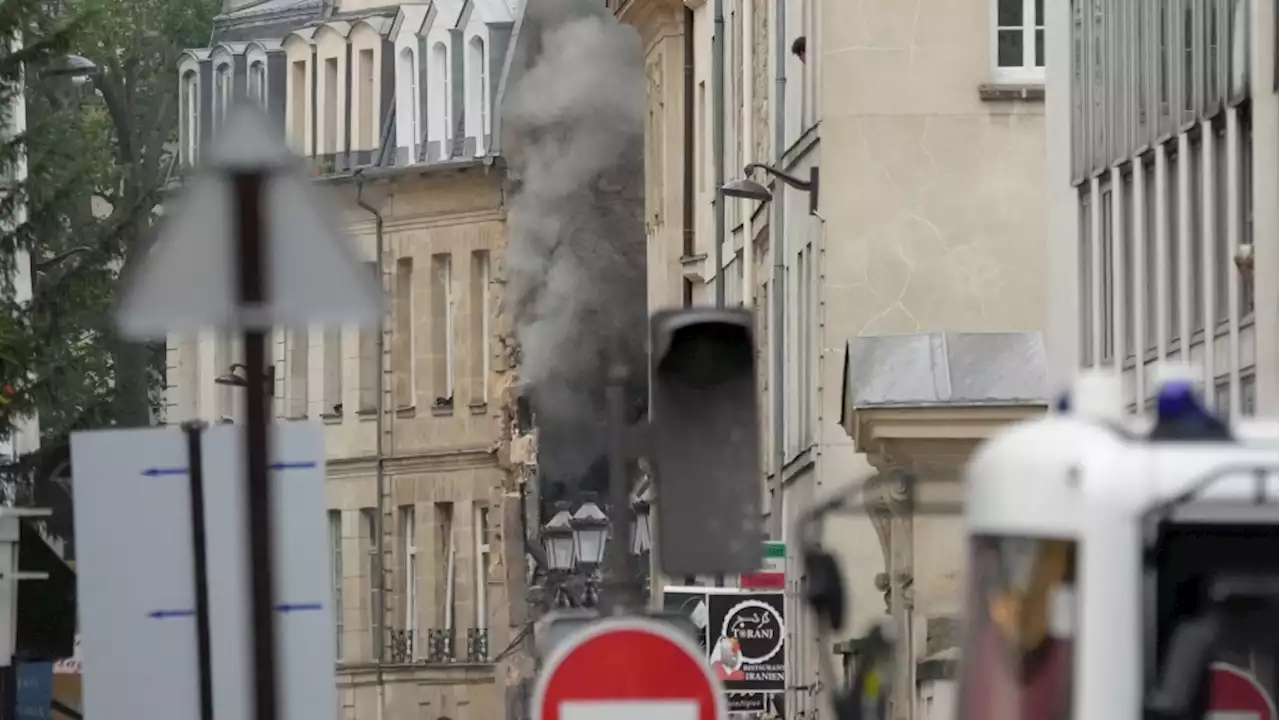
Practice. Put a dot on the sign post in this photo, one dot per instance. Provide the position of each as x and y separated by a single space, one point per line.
250 249
628 668
1234 694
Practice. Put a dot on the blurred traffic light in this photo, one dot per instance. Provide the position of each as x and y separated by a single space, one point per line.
705 441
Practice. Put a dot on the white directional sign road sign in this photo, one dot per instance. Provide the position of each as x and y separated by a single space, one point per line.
188 280
135 573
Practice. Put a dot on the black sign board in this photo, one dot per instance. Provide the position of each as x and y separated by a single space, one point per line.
744 636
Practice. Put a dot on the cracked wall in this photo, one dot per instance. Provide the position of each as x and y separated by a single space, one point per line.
934 210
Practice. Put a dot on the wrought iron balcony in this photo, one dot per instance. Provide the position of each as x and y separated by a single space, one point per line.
400 646
478 645
440 646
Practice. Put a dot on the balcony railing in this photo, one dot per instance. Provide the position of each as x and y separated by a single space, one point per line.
404 647
400 646
478 645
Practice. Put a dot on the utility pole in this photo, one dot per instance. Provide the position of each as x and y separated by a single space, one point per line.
619 572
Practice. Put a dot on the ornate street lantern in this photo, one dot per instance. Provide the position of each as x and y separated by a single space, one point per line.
590 529
558 541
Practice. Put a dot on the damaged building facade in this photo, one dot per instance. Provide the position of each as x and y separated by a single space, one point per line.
396 108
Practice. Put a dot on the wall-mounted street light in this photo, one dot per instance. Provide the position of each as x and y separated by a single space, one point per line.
745 187
235 376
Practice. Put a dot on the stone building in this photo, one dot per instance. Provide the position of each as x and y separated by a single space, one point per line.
394 107
926 130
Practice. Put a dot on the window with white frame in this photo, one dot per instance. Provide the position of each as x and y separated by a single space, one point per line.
191 116
410 99
409 555
335 554
369 520
443 341
258 82
1019 39
479 333
222 88
439 91
477 96
481 525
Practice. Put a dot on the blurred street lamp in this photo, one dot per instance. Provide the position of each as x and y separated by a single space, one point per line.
590 531
558 541
747 188
234 377
77 68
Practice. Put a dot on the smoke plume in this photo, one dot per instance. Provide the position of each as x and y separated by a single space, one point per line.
576 254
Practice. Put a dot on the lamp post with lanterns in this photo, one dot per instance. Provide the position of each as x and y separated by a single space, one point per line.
575 543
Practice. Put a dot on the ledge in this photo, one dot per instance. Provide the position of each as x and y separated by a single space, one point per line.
478 407
367 415
331 419
442 410
1006 91
407 411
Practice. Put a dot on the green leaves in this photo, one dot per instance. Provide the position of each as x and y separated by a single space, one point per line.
98 152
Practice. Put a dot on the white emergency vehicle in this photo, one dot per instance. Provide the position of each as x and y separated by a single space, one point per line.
1123 568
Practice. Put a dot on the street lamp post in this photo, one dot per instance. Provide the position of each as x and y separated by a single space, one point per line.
235 376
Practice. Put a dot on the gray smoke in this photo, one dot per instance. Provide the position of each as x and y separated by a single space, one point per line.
576 255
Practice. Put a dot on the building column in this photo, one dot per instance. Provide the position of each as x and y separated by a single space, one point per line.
886 498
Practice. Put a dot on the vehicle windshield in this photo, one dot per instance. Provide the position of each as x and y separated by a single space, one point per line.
1017 663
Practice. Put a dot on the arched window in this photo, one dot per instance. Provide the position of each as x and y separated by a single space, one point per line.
477 92
221 92
409 99
440 91
258 82
190 101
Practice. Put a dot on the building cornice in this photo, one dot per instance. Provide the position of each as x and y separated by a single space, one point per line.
652 18
427 221
444 459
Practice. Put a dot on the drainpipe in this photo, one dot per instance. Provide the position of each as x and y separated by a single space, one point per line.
717 142
686 248
779 256
747 134
379 453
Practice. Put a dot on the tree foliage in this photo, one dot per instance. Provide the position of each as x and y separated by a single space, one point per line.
101 157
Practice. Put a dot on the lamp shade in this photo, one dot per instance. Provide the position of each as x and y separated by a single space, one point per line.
590 528
558 541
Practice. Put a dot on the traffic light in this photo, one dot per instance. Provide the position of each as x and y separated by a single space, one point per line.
705 441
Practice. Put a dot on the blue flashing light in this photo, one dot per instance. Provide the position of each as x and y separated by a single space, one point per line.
1181 416
1064 403
1177 399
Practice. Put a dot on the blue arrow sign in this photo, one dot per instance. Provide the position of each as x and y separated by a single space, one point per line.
280 466
284 608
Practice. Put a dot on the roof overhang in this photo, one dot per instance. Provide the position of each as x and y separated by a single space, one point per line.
927 399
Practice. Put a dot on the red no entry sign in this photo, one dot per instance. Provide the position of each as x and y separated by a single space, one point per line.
628 669
1236 695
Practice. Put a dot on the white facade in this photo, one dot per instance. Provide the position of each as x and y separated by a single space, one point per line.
1162 181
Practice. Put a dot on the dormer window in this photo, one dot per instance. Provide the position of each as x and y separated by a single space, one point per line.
190 102
408 75
440 91
222 89
477 94
258 82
